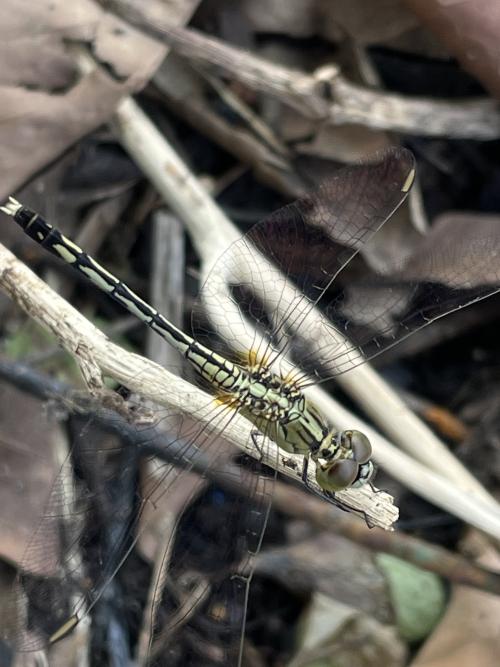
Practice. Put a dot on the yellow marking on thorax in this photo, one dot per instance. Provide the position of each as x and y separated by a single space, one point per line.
226 400
253 357
290 378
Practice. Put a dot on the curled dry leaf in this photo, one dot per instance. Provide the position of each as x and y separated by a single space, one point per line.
156 525
47 104
333 566
335 635
345 143
469 29
456 253
460 263
469 633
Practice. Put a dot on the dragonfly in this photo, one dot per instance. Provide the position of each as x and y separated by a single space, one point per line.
305 245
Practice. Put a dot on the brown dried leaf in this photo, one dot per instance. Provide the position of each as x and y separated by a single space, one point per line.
469 29
456 253
160 521
344 143
333 634
36 125
453 251
333 566
469 634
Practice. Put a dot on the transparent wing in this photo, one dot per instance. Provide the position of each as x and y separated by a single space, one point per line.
260 298
97 531
95 516
278 289
369 317
264 286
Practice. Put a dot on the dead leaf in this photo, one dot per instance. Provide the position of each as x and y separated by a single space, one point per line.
460 252
457 251
335 635
47 105
347 144
469 29
173 490
469 634
333 566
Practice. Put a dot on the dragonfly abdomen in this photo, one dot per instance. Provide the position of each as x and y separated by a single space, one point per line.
275 405
64 248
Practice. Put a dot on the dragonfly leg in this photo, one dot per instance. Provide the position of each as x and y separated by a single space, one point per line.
305 469
375 490
254 435
368 521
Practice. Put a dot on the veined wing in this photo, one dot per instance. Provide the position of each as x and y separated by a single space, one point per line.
200 606
221 375
292 297
267 282
364 185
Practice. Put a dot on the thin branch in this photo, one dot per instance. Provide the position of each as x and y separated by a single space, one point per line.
428 556
75 333
166 283
291 501
212 233
325 96
183 93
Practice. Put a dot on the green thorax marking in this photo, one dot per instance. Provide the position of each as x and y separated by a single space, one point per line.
278 409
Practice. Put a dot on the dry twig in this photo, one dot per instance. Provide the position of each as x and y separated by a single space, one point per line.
98 357
326 96
211 233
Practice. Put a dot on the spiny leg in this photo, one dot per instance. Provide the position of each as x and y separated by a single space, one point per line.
254 435
305 470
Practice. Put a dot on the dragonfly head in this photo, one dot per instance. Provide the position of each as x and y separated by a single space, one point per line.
344 461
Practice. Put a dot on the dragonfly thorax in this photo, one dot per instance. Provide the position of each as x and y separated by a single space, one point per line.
267 396
280 410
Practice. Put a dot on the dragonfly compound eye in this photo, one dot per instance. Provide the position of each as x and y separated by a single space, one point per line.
337 475
360 446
